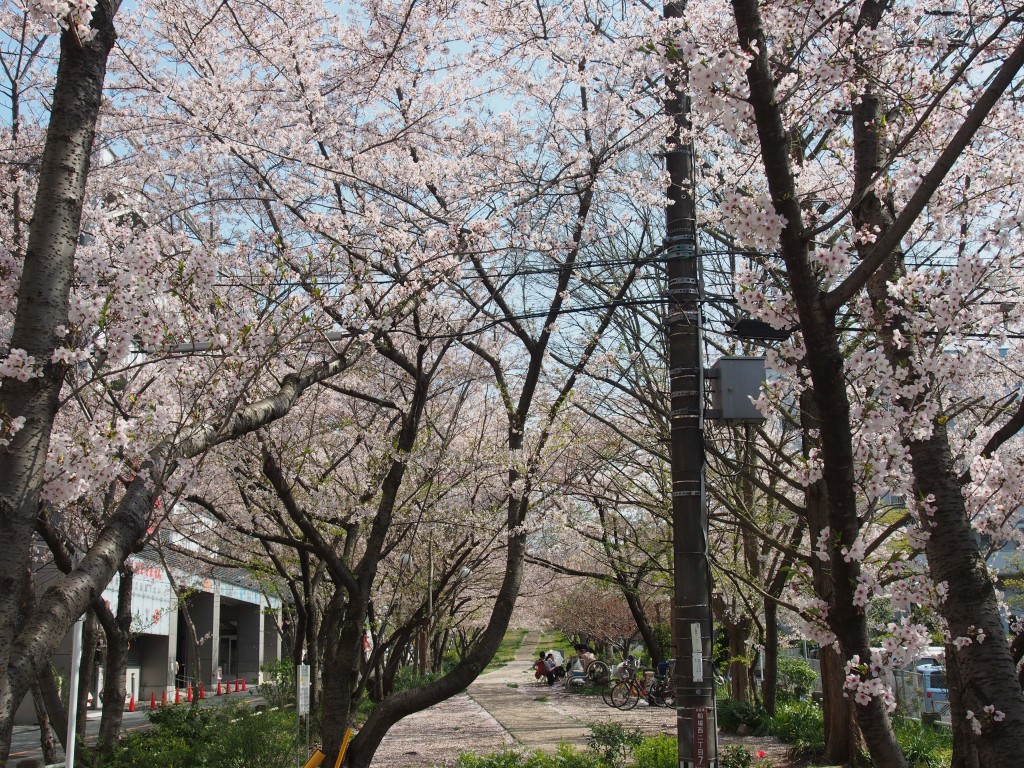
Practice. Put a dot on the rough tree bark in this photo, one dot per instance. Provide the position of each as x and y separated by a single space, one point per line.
46 738
118 632
43 295
842 734
86 672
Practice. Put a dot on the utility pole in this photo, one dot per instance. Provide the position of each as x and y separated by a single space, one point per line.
692 630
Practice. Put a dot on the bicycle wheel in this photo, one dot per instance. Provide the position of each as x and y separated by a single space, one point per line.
625 695
663 695
598 672
606 696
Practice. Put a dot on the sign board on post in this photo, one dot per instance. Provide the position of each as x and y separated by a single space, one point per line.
698 653
700 737
302 689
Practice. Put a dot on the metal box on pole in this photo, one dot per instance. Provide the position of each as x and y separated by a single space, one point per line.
735 382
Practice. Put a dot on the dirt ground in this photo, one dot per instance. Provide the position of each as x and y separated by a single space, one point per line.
436 736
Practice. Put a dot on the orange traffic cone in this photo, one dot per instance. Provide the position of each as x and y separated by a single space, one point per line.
227 687
163 698
188 694
152 701
237 687
177 695
219 691
244 686
131 703
202 692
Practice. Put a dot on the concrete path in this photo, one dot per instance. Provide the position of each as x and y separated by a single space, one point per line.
533 724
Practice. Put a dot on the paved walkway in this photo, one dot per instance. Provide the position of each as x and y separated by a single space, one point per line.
533 724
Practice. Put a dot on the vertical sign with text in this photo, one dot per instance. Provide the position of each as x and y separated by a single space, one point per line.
700 737
302 689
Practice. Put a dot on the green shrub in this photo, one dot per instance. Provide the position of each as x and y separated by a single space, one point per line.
262 739
732 714
505 759
278 682
151 748
657 752
796 676
565 757
801 724
923 746
735 756
568 757
407 677
613 742
214 737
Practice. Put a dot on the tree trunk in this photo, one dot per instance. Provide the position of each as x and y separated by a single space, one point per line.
192 670
118 635
54 705
43 293
987 675
769 687
46 740
737 633
643 625
842 738
395 707
86 672
965 751
824 360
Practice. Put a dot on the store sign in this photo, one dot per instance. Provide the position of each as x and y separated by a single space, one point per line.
152 598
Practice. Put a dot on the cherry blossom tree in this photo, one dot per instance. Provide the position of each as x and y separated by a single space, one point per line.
888 155
371 214
28 398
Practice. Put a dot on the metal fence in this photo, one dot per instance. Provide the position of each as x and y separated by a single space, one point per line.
912 700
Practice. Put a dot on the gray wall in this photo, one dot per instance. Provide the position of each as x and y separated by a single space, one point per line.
205 610
250 641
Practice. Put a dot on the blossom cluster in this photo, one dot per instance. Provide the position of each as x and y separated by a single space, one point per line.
55 15
863 683
19 365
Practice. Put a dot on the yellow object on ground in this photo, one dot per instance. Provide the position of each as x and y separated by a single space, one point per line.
344 747
315 759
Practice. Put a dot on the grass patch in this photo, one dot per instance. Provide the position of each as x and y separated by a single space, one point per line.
589 690
554 640
542 699
509 645
511 685
924 746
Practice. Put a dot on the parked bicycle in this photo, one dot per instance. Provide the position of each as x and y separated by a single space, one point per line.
657 691
593 669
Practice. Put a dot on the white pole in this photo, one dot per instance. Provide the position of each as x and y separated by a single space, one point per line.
76 662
